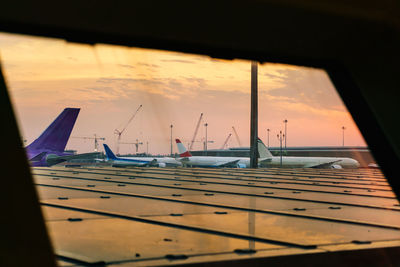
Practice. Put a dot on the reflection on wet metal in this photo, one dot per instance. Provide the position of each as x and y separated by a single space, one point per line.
155 220
326 218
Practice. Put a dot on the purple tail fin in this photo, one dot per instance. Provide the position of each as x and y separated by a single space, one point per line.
56 136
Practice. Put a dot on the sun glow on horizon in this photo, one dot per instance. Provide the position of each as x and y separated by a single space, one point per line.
109 82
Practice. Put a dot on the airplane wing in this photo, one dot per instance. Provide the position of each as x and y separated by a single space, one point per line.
323 165
232 163
53 160
38 157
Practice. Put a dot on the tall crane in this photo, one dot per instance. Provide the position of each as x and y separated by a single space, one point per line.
195 131
95 138
226 141
237 136
119 132
137 143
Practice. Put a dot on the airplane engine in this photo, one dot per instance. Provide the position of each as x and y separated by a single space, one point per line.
241 165
336 166
162 165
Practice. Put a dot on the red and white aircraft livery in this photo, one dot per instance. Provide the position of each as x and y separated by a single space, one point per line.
204 161
265 160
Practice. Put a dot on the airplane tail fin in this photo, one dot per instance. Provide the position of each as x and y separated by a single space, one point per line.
263 150
183 152
109 153
56 136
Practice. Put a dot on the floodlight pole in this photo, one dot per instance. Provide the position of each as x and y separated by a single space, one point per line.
254 116
280 138
343 128
171 126
206 141
285 121
268 137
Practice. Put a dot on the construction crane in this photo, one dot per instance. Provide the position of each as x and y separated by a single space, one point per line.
119 132
237 136
137 143
226 141
95 138
195 131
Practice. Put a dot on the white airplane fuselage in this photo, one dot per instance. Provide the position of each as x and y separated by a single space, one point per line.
143 161
274 162
206 161
310 162
266 160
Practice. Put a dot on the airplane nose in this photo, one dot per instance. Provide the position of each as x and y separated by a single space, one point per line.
356 163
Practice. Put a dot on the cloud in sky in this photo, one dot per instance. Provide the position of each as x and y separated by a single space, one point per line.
126 66
110 82
312 88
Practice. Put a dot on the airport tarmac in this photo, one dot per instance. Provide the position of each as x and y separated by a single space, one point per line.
167 216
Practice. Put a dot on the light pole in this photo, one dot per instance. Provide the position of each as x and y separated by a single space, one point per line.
205 144
268 137
280 138
285 121
147 147
172 126
343 128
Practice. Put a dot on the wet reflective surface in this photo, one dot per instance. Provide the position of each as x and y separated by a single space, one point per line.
138 216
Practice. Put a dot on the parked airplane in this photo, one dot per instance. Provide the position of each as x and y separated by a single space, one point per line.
265 160
307 162
139 161
48 148
205 161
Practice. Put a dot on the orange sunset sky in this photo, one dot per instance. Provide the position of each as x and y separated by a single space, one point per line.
109 82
